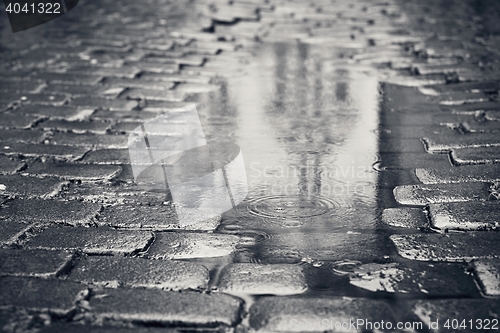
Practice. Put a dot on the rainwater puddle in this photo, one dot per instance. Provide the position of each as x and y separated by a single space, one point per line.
307 128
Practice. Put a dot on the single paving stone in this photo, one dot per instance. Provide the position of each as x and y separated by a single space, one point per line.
104 103
79 90
8 136
196 88
421 195
107 156
49 211
89 140
123 116
477 155
414 278
188 60
413 160
156 217
443 143
155 95
91 240
286 314
123 71
466 216
98 127
277 279
10 229
178 78
40 263
481 126
43 99
12 120
125 127
400 146
472 315
40 150
493 115
170 245
293 247
68 171
163 106
61 327
67 78
138 272
448 247
487 272
9 166
29 187
462 174
456 97
137 83
472 107
19 86
418 81
165 307
14 320
486 86
423 69
47 111
54 295
405 217
155 67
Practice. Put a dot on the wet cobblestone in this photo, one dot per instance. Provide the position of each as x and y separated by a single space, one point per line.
71 92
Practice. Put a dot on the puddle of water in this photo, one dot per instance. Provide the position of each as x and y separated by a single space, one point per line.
307 127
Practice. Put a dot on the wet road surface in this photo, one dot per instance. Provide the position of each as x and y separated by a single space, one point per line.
368 132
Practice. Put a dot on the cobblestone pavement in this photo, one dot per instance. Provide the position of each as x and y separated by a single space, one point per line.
84 248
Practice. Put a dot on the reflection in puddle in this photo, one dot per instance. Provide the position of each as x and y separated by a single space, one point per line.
307 126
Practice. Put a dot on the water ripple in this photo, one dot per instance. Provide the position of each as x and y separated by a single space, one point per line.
290 207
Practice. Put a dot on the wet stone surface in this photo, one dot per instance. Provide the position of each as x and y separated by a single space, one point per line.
53 295
40 263
9 166
74 171
466 216
115 272
157 217
470 313
277 279
81 328
10 229
29 187
166 307
91 240
414 278
448 247
467 173
49 211
169 245
405 217
421 195
32 150
331 107
285 314
486 155
487 272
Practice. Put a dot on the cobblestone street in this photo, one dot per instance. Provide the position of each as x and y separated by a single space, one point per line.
370 136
